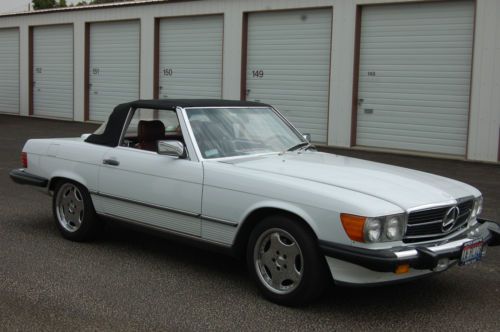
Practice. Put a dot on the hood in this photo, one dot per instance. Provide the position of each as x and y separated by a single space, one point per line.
401 186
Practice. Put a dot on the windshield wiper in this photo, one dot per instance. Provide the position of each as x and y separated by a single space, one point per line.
300 146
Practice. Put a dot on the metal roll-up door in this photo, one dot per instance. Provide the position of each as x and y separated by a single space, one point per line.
113 66
191 57
288 65
9 71
53 71
415 75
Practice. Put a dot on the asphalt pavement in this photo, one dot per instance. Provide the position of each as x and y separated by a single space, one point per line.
134 281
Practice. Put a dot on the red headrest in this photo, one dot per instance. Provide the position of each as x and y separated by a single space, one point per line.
150 130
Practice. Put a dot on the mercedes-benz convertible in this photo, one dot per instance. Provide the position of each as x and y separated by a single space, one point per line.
237 176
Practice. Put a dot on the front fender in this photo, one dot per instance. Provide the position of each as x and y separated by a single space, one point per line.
280 205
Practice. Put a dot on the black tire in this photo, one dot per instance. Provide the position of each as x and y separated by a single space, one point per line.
73 211
310 267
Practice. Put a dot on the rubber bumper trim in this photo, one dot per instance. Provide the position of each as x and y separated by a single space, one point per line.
387 260
494 228
22 177
376 260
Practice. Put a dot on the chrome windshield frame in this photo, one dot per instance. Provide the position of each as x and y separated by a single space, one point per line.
183 111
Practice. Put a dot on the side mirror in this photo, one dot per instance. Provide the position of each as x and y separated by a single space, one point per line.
172 148
307 137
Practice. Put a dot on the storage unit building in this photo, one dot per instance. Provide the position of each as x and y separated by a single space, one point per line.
403 76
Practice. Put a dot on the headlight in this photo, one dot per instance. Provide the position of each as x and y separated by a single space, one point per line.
372 230
380 229
479 207
476 210
393 229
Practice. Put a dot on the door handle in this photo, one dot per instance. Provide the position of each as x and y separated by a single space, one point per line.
111 162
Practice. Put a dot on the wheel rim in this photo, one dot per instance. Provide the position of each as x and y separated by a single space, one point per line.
69 207
278 261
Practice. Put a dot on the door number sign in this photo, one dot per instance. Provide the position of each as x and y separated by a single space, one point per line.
259 73
168 71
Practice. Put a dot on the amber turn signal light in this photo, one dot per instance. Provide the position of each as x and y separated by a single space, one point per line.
404 268
353 226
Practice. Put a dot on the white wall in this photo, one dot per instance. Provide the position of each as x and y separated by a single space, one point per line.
485 100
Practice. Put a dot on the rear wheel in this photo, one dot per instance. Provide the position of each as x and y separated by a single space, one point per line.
285 261
74 212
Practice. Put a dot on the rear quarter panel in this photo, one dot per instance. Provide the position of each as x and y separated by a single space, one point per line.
69 158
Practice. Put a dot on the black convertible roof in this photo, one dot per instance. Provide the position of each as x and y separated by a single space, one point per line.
116 120
173 103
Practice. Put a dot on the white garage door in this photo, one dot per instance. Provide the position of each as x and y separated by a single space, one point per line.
414 76
191 57
288 65
53 71
9 71
113 66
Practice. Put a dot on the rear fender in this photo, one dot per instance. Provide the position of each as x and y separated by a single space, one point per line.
57 175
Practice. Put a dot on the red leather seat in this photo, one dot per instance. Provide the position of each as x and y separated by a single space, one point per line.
149 133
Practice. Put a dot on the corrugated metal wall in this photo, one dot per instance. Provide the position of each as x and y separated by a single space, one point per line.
9 71
113 66
289 66
191 57
53 71
414 76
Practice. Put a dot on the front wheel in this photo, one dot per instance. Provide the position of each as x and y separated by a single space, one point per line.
74 212
285 261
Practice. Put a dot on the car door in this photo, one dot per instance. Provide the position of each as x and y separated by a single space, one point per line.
156 190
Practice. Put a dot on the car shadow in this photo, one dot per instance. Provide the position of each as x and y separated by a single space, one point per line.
404 296
117 239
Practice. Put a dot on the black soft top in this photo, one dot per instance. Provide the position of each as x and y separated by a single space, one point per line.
116 120
173 103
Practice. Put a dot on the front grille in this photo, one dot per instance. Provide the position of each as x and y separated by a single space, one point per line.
427 224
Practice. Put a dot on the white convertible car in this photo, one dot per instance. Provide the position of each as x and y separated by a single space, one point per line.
238 176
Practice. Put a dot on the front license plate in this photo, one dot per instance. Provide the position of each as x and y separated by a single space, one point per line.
472 252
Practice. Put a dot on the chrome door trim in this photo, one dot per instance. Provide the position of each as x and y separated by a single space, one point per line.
189 130
165 230
220 221
130 113
167 209
149 205
191 145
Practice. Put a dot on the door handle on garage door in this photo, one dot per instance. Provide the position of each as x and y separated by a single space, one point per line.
111 162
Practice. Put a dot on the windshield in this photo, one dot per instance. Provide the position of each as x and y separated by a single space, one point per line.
229 132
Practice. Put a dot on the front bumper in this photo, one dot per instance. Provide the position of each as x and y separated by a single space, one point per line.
419 257
22 177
